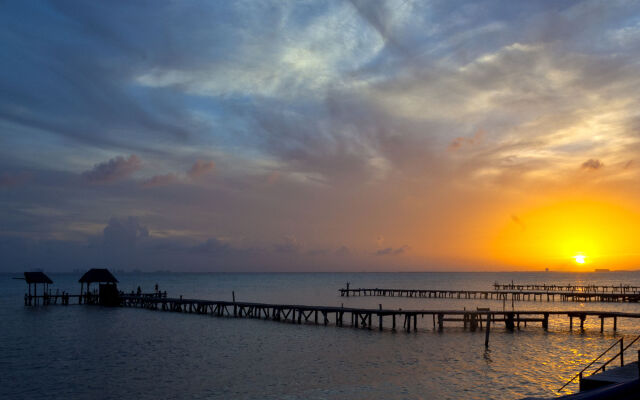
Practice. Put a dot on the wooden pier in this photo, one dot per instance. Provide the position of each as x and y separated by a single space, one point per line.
568 288
504 295
394 319
65 299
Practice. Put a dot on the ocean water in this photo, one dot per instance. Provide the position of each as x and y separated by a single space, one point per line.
80 352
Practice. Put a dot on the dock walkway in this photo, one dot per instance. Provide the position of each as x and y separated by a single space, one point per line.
622 288
504 295
367 317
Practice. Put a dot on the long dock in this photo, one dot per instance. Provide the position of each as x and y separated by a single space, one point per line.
568 288
366 317
506 295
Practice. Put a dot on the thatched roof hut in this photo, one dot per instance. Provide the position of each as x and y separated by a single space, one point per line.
98 275
37 277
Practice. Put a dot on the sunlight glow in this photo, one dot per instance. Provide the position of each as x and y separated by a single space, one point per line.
570 235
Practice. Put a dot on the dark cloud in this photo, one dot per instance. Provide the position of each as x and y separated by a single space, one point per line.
289 245
87 81
9 179
120 241
318 252
390 251
200 168
379 15
592 164
124 232
113 170
160 180
213 246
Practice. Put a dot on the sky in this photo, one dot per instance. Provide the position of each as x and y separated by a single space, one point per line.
319 135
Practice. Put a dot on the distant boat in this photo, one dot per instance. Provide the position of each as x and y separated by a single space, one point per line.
601 270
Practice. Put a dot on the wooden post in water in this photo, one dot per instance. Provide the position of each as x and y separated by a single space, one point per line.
473 323
570 322
488 329
380 317
509 321
235 307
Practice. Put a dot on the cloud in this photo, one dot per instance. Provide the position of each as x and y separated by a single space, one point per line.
113 170
290 245
9 180
390 251
213 246
592 164
460 142
160 180
343 251
335 120
518 221
199 168
121 239
125 231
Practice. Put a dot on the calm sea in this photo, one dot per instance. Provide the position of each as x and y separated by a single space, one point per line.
81 352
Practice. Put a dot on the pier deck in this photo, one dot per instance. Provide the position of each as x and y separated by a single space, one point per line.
504 295
368 317
622 288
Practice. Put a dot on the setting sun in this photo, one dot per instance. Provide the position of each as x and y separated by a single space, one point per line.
569 235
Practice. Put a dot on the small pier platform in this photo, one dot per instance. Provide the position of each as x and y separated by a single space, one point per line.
505 295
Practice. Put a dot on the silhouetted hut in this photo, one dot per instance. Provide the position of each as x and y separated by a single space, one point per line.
35 278
108 293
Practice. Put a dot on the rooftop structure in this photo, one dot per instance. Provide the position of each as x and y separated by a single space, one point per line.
98 275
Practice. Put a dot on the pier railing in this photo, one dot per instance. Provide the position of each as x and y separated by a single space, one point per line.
619 354
602 367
